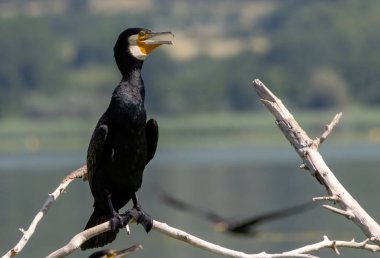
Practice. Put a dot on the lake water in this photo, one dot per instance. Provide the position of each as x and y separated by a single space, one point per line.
236 183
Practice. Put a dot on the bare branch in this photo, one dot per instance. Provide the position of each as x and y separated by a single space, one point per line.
27 234
178 234
308 152
334 244
328 130
78 173
80 238
213 248
326 198
346 214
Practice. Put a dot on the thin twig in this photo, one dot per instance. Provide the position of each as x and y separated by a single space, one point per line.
328 130
344 213
325 198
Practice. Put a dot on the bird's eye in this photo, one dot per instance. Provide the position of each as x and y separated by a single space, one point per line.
142 34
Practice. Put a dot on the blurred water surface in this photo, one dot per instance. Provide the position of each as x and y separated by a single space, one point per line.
237 182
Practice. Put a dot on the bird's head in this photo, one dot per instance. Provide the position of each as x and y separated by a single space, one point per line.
135 44
221 227
112 253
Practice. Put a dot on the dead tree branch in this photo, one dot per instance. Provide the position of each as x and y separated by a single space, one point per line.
163 228
79 239
181 235
334 244
307 149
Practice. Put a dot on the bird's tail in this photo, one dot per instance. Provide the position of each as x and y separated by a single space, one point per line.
102 239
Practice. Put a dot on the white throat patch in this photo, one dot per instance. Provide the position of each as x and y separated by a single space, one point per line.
136 52
134 49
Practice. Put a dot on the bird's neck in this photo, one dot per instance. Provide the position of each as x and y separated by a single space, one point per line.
128 66
133 74
131 87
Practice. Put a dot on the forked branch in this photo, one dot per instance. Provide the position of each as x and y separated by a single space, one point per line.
307 149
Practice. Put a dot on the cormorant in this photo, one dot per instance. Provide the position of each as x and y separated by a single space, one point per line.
123 142
222 224
112 253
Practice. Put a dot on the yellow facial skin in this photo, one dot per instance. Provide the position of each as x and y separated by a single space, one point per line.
143 43
145 48
147 42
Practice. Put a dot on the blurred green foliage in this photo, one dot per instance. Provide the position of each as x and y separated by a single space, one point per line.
203 131
313 54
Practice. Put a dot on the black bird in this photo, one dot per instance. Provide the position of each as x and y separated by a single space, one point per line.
244 226
123 142
112 253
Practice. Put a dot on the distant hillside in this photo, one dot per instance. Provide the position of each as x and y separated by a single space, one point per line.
58 58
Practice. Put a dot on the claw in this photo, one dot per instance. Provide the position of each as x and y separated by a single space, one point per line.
140 216
146 221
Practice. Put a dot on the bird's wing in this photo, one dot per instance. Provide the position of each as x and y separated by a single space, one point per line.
186 207
243 225
151 138
95 149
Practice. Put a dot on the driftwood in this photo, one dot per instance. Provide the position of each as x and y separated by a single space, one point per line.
306 148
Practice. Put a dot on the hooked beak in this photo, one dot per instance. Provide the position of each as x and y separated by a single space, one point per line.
111 253
158 38
153 40
124 252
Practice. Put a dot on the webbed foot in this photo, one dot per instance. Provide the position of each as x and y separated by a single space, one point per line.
140 216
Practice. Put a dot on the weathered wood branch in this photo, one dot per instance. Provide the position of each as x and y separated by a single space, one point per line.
334 244
175 233
79 239
307 149
181 235
300 252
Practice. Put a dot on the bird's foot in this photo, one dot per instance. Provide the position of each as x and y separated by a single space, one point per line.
145 220
140 216
117 221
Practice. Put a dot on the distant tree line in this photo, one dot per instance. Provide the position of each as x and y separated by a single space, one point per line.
322 54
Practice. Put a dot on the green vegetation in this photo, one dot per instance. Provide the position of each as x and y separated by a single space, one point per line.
57 69
57 58
215 130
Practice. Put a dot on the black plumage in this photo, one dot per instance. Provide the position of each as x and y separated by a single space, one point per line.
123 142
